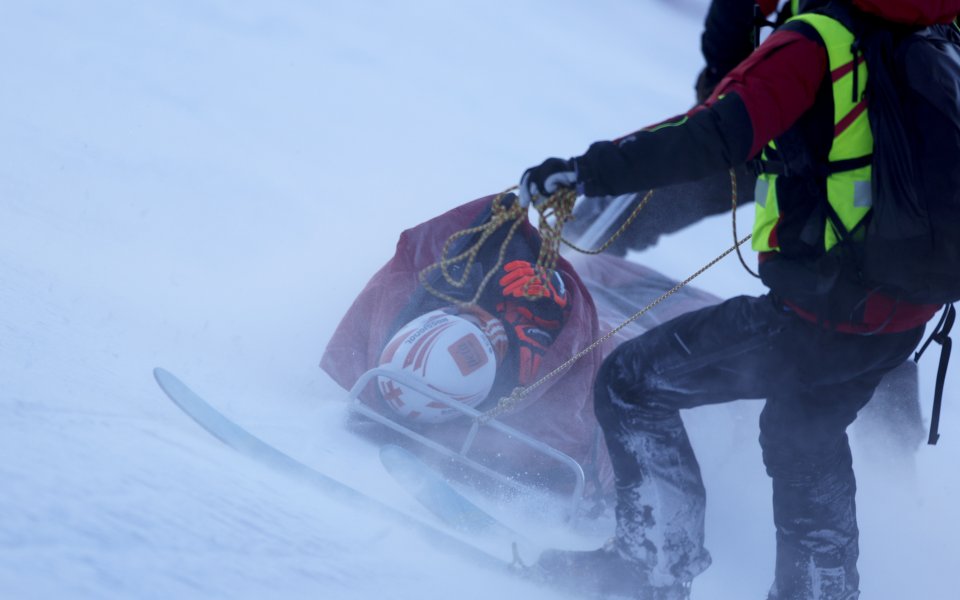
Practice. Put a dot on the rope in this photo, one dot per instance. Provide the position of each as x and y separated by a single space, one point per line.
508 403
500 216
554 212
618 233
733 201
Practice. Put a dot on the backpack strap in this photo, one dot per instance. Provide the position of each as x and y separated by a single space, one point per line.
760 21
779 167
940 335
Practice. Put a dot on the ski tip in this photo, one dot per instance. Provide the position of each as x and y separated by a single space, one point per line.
166 380
159 374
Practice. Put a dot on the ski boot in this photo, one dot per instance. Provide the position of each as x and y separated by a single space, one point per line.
602 574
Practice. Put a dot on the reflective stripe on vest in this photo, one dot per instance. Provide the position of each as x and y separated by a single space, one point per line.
849 192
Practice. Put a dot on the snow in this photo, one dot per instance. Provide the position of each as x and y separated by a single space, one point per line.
205 185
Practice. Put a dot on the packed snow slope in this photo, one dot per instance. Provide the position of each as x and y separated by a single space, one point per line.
205 185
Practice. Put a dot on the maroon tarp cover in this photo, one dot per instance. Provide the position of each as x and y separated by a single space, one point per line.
604 290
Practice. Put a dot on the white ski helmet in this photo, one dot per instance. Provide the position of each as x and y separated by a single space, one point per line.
453 351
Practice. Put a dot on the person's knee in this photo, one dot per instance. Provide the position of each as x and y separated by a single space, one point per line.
801 454
622 383
802 438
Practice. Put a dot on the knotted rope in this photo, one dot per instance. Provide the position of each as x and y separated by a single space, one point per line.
554 212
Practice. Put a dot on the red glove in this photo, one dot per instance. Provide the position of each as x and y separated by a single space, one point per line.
534 308
524 280
534 336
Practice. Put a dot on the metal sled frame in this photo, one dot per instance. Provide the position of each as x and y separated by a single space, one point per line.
461 455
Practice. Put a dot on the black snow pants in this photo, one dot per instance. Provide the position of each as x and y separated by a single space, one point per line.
814 381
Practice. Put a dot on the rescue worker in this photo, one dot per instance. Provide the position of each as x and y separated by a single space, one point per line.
814 352
891 428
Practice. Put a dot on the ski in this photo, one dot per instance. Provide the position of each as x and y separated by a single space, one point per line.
256 449
435 494
438 496
450 506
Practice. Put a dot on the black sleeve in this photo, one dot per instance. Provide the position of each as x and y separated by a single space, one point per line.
727 35
691 147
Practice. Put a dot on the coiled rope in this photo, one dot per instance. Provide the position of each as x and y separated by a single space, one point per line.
554 212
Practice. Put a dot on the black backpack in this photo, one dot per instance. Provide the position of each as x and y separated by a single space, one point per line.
909 245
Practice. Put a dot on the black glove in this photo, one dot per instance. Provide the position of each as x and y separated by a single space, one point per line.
539 183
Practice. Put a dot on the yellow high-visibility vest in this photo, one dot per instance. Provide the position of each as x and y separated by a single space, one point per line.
848 191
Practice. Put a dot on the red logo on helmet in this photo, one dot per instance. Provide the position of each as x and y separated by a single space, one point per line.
468 353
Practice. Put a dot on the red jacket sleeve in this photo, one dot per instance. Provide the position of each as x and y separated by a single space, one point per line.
777 83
